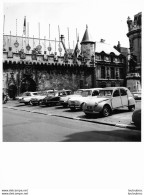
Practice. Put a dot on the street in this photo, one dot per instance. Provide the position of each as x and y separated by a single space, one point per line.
24 124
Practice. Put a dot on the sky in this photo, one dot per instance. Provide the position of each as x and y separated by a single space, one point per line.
106 19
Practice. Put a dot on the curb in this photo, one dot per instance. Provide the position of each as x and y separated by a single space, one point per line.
131 126
126 126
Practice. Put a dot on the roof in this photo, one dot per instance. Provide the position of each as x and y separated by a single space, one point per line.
87 37
112 88
100 46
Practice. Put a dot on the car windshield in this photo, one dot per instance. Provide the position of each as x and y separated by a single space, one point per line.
51 93
106 93
86 93
43 93
27 94
68 92
78 92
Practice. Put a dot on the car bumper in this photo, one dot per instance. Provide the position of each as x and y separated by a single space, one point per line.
63 103
74 106
34 101
92 110
21 101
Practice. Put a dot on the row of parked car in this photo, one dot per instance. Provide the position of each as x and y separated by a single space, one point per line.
91 101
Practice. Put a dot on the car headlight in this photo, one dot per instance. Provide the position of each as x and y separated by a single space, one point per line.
95 106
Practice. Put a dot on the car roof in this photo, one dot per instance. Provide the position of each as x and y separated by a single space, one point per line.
112 88
93 89
64 90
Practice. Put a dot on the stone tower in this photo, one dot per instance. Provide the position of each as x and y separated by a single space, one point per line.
87 45
134 35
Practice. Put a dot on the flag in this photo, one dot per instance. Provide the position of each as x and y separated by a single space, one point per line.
24 26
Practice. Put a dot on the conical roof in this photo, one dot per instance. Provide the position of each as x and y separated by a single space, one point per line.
87 37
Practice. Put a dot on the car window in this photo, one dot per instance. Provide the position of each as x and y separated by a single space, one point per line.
95 93
116 93
86 93
105 93
78 92
68 92
43 93
123 92
28 94
24 94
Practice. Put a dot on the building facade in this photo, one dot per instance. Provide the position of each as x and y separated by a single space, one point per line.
29 65
134 68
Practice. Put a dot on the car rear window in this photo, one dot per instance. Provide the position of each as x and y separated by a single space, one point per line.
105 92
78 92
86 93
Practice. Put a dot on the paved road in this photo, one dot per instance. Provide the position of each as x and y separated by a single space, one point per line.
121 116
22 126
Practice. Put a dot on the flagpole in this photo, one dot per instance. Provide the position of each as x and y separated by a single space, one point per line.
59 39
25 33
55 45
68 39
10 38
39 33
3 24
3 32
49 39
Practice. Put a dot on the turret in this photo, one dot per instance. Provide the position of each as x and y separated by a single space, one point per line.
87 45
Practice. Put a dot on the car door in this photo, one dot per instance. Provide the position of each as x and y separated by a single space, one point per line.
116 99
124 97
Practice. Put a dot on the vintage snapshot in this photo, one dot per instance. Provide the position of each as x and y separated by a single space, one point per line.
71 71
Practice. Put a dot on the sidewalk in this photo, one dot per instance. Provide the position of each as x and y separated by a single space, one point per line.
120 118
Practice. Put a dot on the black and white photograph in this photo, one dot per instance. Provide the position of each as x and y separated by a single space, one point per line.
71 72
71 84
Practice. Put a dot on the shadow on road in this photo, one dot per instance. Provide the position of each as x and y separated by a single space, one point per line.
105 136
20 105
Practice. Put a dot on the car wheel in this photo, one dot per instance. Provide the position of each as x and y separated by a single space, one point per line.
65 106
81 106
72 108
136 118
106 111
131 108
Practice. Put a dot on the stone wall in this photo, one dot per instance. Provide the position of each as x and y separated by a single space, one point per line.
44 78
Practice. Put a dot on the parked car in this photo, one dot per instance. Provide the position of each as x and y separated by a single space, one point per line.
53 99
78 101
26 97
109 98
136 118
21 96
64 100
36 100
137 95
